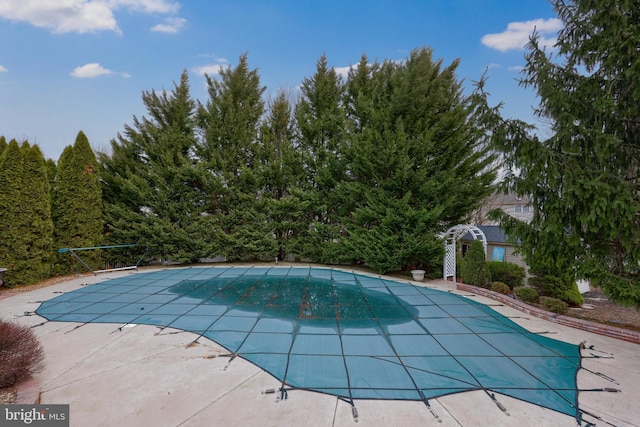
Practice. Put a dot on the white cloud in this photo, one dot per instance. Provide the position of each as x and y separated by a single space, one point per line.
78 16
89 71
92 70
517 68
170 25
3 69
343 71
517 34
210 69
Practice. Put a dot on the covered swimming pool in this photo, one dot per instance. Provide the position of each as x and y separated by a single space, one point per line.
341 333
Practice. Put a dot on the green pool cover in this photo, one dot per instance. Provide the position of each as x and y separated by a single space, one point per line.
341 333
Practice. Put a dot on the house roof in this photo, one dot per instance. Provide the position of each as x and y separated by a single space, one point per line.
500 199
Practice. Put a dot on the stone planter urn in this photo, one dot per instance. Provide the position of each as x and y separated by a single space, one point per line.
418 275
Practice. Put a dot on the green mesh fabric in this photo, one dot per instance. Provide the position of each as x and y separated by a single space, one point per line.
341 333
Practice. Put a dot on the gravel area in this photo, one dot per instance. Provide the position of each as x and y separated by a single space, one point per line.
598 308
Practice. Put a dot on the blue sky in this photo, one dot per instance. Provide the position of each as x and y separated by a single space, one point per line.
77 65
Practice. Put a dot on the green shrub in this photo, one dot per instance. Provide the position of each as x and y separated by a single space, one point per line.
571 295
500 287
526 294
20 353
554 305
557 287
506 272
474 266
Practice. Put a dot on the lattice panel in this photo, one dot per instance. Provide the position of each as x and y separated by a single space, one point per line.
450 260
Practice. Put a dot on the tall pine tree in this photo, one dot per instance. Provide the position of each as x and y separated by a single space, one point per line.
321 123
77 203
13 218
153 189
584 180
230 122
36 185
418 160
280 178
25 216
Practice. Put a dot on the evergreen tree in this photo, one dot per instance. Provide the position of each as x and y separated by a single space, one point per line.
36 187
153 189
474 267
77 203
13 221
321 123
3 144
25 221
584 180
230 122
280 178
418 158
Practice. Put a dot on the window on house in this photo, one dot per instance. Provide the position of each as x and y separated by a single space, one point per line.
518 208
525 209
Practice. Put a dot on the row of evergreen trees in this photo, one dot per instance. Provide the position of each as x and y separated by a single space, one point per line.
366 169
44 206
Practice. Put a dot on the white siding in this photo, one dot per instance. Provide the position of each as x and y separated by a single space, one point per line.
584 286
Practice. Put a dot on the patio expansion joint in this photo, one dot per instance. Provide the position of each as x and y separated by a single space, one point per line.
213 402
451 414
335 412
607 417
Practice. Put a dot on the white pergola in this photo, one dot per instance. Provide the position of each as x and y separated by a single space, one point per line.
451 236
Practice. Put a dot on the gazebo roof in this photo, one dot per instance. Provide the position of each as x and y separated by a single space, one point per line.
493 234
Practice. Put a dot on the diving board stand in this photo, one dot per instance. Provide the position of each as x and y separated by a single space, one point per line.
73 251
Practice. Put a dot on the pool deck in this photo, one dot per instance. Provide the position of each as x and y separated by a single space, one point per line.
142 375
